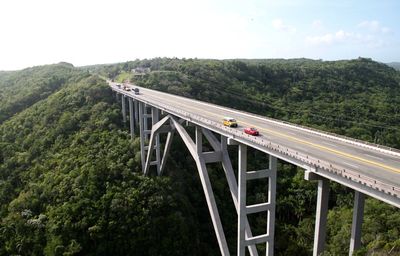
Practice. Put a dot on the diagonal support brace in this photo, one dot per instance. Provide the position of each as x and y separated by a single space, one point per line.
195 151
230 177
158 128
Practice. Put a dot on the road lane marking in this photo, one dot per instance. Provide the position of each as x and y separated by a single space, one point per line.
329 144
376 157
301 141
335 151
352 165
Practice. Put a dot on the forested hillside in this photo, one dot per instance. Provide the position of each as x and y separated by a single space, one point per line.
70 181
19 90
68 177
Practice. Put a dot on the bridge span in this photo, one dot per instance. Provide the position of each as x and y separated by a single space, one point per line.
369 169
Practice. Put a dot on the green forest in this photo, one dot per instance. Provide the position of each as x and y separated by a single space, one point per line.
70 175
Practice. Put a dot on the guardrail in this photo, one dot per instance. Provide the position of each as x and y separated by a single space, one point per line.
333 136
284 151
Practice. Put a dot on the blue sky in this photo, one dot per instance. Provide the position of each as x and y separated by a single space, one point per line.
92 32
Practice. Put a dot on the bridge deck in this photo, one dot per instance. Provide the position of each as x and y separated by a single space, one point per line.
344 154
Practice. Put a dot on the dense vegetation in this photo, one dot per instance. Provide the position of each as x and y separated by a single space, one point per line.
19 90
67 180
70 180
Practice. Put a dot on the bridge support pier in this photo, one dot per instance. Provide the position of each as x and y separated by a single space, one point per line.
145 118
123 108
155 117
131 118
141 134
358 214
220 154
136 108
321 211
199 156
154 142
244 209
321 216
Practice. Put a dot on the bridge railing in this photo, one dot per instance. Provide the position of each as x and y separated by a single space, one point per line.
333 136
309 160
346 173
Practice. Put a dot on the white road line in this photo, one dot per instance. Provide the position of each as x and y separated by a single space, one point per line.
352 165
376 157
328 144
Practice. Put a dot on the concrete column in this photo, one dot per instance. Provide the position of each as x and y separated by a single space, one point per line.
136 111
147 121
233 186
272 201
358 214
196 151
321 216
155 117
123 108
242 215
131 118
142 137
170 136
199 140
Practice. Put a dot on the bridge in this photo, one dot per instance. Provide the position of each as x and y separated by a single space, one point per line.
366 168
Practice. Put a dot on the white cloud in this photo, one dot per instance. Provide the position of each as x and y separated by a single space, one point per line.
330 38
371 37
317 24
374 26
349 38
279 25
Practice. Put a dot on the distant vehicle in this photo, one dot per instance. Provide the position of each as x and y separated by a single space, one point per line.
231 122
136 91
126 88
118 85
251 131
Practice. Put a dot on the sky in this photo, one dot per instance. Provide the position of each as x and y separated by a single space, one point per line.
85 32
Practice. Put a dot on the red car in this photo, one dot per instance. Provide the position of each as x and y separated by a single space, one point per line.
252 131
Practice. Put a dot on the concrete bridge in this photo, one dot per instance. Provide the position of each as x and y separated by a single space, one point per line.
366 168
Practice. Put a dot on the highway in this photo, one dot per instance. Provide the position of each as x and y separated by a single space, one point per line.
378 164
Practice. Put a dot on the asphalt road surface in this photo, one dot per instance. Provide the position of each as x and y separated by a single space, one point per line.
382 166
